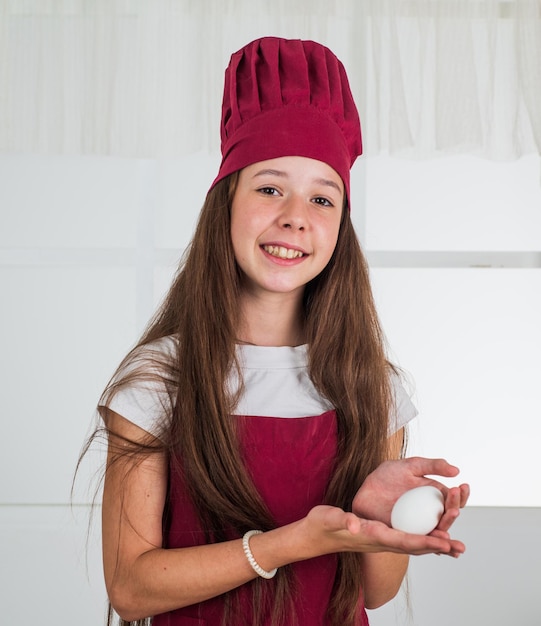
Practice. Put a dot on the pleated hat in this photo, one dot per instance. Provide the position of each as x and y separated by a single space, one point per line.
288 97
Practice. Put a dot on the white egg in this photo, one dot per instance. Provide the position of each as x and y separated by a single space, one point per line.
418 510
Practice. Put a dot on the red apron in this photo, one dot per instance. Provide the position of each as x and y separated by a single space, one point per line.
290 460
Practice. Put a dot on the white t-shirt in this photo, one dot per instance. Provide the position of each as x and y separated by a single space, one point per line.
276 384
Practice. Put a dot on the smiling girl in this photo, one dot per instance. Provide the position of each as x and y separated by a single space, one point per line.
255 432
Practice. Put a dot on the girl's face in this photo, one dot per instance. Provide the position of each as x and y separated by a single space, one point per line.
285 219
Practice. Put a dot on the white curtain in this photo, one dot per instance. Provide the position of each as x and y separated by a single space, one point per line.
143 78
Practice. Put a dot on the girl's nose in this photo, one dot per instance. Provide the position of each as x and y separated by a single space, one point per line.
294 215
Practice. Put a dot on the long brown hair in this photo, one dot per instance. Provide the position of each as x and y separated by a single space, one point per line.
347 364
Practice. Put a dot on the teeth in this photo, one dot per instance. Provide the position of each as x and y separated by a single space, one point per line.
283 253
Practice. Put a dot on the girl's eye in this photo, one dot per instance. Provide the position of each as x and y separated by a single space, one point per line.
268 191
323 202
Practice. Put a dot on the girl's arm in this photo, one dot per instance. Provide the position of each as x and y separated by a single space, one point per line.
383 572
143 579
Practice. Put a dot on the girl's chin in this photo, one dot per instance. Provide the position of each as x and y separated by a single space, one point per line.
286 290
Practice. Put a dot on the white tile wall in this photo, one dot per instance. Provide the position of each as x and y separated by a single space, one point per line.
468 337
453 203
60 202
63 331
183 184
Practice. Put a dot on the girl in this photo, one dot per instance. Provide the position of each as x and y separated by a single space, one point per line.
255 431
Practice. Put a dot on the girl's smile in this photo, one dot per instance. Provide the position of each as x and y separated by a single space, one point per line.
282 252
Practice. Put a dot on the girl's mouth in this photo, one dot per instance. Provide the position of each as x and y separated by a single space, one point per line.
283 253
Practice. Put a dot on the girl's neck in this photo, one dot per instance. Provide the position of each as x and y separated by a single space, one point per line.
271 322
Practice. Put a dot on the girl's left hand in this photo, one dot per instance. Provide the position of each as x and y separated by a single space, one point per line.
382 488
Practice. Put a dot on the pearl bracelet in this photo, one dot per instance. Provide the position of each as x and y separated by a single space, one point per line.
255 565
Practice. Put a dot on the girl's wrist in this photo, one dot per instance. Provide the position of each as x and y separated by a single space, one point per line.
281 546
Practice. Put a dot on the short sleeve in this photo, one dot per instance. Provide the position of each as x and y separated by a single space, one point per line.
145 398
403 409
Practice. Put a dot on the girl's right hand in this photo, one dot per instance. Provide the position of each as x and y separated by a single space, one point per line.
335 530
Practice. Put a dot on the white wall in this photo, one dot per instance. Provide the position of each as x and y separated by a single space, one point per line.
87 249
457 242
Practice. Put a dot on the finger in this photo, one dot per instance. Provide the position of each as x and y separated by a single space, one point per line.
384 538
464 494
457 548
426 544
421 466
448 519
453 498
442 534
352 523
456 497
335 519
451 509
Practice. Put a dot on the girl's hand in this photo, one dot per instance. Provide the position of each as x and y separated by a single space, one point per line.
383 487
334 530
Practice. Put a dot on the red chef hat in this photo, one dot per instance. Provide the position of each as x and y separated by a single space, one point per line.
287 97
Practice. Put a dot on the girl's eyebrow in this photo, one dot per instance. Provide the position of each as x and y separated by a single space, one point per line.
321 181
271 172
328 183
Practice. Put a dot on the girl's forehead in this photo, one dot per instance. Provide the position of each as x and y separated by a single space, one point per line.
294 168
